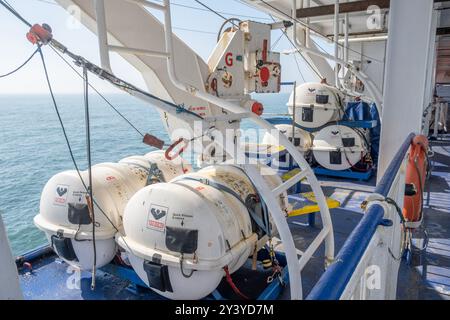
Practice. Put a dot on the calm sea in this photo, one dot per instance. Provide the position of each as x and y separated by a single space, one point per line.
32 148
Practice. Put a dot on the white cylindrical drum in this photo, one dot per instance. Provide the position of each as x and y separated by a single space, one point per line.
66 219
180 235
302 139
339 147
157 168
316 105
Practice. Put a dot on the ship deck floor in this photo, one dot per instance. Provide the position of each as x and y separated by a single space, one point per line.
51 278
427 277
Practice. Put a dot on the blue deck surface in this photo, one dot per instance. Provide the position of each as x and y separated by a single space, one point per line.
428 276
53 279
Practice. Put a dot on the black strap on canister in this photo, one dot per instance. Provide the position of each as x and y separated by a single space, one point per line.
157 274
154 174
63 246
230 191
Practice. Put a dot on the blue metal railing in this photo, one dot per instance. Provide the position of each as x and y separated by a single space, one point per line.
334 281
34 254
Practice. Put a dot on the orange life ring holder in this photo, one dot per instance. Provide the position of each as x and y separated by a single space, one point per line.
416 173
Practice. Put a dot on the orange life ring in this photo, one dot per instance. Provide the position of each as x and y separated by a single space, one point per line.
416 174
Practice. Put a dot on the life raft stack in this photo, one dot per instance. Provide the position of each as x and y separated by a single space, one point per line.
65 216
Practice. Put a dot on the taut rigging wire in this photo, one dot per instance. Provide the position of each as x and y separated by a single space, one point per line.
298 67
276 42
97 71
304 59
175 4
55 105
103 74
69 146
215 12
11 9
319 33
300 22
100 94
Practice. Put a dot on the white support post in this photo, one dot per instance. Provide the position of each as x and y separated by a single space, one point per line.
432 62
427 120
307 4
102 34
444 115
406 74
336 42
437 117
346 41
9 280
346 36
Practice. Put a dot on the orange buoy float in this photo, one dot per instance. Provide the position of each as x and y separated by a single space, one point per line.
416 173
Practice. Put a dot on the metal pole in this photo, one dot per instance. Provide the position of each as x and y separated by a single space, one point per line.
308 31
89 160
346 35
294 108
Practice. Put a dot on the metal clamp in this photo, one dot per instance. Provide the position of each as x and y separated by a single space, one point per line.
385 203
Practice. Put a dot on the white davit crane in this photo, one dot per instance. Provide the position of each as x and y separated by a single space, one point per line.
172 71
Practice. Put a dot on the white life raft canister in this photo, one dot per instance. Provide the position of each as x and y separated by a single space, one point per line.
180 235
66 219
316 105
302 139
339 147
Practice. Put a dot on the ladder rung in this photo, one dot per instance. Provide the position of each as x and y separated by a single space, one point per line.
290 183
140 52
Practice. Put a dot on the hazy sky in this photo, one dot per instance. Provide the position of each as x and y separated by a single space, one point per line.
15 48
